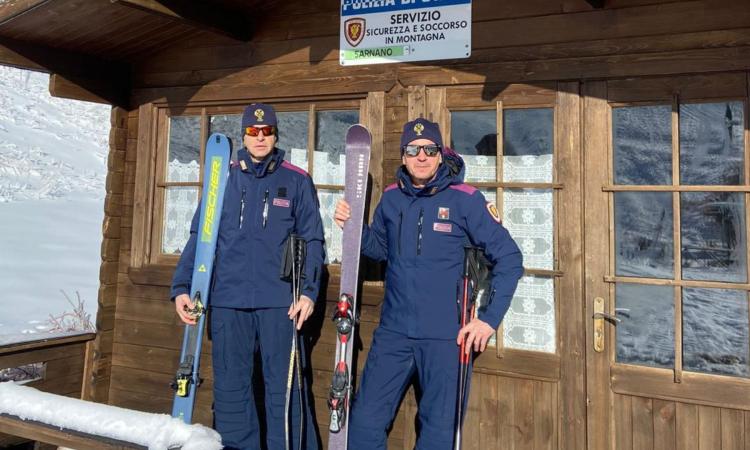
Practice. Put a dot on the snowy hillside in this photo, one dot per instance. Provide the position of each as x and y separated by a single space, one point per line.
52 173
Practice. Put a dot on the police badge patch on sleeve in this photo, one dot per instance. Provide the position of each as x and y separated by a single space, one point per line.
492 209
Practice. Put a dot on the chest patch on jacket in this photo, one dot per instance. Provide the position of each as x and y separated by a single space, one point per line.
444 213
283 202
442 227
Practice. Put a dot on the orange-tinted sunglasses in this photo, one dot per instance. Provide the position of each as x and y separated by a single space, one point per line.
266 130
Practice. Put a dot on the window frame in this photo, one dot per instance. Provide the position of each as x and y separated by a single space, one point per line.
658 375
439 104
148 265
644 381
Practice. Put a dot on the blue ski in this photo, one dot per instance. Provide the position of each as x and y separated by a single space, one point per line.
216 170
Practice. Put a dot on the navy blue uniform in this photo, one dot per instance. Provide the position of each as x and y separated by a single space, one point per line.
263 204
421 233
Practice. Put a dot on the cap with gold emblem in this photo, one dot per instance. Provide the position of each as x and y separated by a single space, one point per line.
421 129
258 115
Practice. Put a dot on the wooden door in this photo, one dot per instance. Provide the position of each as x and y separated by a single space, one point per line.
521 145
666 263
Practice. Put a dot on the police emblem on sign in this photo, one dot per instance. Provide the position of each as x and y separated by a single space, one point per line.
354 30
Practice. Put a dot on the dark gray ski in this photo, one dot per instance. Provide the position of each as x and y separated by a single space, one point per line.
358 142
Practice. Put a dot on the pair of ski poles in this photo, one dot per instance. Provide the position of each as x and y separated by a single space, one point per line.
474 298
292 268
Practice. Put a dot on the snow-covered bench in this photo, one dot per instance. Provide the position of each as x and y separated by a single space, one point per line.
82 425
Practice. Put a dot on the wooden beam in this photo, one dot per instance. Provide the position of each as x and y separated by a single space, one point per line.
46 342
41 432
101 80
84 90
14 8
206 15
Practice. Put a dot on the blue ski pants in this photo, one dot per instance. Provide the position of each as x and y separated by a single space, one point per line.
236 334
391 363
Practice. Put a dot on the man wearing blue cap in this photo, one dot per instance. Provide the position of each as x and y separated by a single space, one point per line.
266 200
420 227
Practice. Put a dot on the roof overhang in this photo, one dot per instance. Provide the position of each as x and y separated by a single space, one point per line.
90 46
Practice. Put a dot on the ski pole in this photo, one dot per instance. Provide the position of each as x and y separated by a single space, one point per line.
295 254
463 357
300 254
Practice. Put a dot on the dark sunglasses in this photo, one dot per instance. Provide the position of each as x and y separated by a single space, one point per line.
413 150
255 131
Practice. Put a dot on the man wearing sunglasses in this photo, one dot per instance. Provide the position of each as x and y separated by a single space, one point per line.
266 200
420 228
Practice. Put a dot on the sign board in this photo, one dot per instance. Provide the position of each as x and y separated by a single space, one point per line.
389 31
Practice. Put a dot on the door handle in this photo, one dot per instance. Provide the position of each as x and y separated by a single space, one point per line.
599 317
606 316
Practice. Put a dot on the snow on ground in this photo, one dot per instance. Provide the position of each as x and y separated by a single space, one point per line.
47 246
52 173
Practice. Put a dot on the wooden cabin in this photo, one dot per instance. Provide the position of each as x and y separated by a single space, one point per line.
612 134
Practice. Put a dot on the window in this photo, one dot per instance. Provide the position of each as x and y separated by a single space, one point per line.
311 135
516 173
680 236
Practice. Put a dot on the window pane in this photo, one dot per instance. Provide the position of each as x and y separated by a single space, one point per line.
333 233
528 143
527 214
184 148
330 138
293 136
642 140
490 195
712 143
644 239
646 334
474 137
713 236
231 126
530 322
715 331
180 205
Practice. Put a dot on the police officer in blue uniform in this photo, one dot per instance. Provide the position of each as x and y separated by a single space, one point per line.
266 199
420 227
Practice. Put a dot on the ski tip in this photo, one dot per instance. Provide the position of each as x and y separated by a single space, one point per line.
218 139
359 132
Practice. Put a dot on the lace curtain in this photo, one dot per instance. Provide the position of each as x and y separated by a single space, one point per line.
326 172
180 204
528 216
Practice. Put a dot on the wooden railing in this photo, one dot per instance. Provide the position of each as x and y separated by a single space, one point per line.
63 359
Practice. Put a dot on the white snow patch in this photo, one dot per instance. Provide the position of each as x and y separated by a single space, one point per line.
155 431
47 246
53 167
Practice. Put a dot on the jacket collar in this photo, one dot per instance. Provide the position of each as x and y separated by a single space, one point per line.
265 167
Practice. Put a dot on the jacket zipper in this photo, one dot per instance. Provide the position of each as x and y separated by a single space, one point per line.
400 223
419 231
265 208
242 207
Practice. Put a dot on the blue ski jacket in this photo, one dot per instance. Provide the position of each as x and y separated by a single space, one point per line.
263 204
422 233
